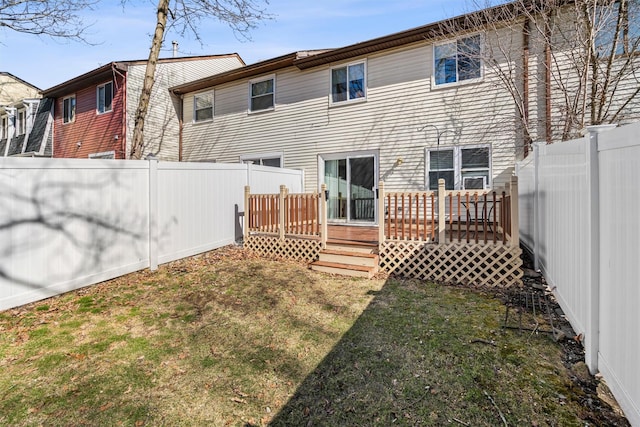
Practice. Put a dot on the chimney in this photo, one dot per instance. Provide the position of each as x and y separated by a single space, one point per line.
175 48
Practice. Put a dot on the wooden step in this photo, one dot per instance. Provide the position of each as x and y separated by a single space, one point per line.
349 246
349 257
344 269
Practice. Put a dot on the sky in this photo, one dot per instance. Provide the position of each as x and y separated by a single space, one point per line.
120 33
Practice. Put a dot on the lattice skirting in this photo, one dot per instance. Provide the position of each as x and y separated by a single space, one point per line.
468 264
274 248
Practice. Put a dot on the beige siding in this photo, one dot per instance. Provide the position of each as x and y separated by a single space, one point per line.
13 90
162 122
400 99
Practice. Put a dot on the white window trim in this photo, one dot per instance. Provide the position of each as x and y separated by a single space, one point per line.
213 111
457 163
270 155
348 101
73 119
21 121
434 85
98 98
103 155
258 80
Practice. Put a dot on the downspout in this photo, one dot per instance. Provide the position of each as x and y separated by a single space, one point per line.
123 132
525 89
180 127
547 80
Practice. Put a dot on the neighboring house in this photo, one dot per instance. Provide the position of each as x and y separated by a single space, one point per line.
26 128
94 112
407 108
14 89
20 111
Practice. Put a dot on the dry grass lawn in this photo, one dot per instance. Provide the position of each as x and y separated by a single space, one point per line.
228 339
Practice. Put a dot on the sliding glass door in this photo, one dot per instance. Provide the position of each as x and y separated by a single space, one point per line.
350 182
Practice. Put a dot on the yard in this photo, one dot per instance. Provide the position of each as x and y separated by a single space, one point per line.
229 339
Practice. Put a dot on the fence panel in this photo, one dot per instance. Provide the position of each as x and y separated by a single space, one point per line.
582 199
564 195
196 207
619 152
267 180
68 223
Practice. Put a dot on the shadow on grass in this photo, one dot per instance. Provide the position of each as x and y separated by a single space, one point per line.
423 354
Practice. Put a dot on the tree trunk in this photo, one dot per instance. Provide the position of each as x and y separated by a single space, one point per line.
137 141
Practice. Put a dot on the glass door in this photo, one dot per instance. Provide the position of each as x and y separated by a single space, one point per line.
350 182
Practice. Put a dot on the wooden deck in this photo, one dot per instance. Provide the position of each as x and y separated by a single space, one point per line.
369 234
352 233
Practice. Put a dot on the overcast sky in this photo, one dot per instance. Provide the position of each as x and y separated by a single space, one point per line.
125 34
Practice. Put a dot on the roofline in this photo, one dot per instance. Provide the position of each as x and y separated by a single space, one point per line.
311 59
262 67
102 72
439 29
6 73
83 80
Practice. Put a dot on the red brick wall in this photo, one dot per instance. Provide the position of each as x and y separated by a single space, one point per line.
95 132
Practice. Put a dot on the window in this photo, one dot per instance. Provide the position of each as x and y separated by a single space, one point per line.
22 122
69 109
457 61
348 83
268 159
623 18
5 128
467 167
105 97
203 107
103 155
262 94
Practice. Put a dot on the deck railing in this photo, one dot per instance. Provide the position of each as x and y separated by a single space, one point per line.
285 214
443 216
471 216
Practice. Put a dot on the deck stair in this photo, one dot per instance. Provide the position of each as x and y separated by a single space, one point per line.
348 259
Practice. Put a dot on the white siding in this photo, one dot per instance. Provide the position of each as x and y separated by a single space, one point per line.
162 122
400 99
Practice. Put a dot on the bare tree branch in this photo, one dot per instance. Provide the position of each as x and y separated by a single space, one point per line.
54 18
185 17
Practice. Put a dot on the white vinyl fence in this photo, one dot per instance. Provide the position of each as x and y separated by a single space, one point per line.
69 223
579 210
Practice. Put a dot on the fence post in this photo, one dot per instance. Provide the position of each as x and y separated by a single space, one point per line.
283 193
323 216
380 213
515 211
153 215
247 193
536 205
441 212
592 335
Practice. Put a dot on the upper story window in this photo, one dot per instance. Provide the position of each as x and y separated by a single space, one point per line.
458 60
462 167
22 122
348 83
618 21
262 94
264 159
203 107
4 131
69 109
105 97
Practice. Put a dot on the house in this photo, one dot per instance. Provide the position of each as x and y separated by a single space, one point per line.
94 112
13 89
24 119
458 99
